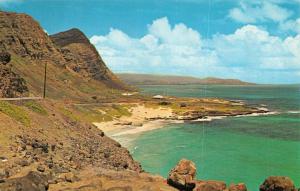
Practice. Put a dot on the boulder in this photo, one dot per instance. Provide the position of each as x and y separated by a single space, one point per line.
67 177
11 83
33 181
182 175
164 103
183 105
210 185
238 187
4 57
137 124
4 173
123 123
277 183
41 168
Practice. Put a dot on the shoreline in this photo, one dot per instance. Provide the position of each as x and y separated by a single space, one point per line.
143 119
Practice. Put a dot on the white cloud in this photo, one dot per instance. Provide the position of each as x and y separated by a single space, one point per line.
253 47
291 25
250 53
162 30
163 49
259 11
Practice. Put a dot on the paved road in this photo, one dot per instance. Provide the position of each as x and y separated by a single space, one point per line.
20 98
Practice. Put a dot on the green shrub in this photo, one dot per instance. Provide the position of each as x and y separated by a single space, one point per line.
35 107
15 112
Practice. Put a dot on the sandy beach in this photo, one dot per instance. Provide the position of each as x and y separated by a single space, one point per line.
137 122
144 119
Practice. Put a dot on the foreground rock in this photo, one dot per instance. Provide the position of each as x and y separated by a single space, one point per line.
238 187
182 176
210 185
278 183
4 58
33 181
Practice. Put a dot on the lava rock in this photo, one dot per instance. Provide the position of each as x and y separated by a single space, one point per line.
238 187
4 57
33 181
23 162
4 173
277 183
41 168
182 175
210 185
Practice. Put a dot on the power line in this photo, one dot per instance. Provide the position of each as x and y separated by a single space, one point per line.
45 80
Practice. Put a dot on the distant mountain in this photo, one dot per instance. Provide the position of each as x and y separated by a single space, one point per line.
150 79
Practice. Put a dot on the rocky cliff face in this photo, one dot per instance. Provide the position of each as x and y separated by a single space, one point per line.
82 57
75 69
22 35
11 84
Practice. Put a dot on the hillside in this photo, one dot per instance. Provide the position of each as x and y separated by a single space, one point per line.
53 144
82 57
149 79
75 70
50 144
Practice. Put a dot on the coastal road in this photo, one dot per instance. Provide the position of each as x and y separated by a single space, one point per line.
20 98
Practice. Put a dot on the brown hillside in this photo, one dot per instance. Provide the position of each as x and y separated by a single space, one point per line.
31 48
83 58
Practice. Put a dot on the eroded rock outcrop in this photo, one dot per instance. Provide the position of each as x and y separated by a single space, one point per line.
210 185
238 187
11 84
4 58
278 183
23 36
182 176
33 181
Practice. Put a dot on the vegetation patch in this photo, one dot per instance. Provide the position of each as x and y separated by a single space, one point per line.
15 112
68 113
35 107
119 110
99 113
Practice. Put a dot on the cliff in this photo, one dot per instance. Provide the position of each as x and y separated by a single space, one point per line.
47 144
50 144
82 57
75 70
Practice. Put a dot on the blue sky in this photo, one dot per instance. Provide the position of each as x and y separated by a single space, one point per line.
253 40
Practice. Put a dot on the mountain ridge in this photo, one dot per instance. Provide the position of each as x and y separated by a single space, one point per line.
154 79
83 58
75 70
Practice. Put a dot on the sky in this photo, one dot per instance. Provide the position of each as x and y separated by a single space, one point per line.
252 40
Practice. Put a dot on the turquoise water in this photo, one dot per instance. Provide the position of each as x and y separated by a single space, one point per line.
245 149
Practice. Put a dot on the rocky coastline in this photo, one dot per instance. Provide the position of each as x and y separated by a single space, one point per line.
143 119
50 144
182 177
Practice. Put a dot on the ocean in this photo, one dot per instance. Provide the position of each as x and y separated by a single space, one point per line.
235 149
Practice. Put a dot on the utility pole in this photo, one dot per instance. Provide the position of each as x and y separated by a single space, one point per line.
45 79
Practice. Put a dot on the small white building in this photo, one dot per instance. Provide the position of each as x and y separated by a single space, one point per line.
127 94
158 97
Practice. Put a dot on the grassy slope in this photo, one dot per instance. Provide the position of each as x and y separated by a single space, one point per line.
61 83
